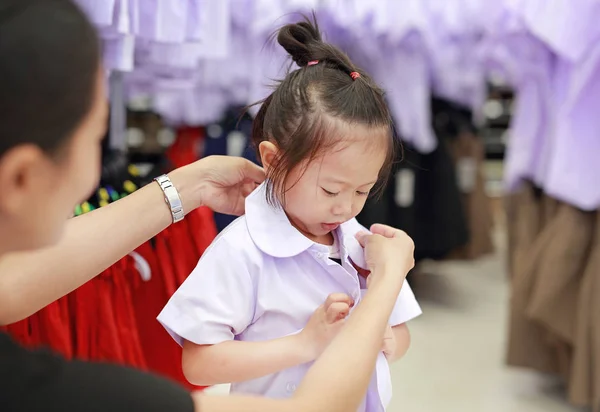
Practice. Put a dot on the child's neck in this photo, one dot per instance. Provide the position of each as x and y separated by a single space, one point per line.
324 240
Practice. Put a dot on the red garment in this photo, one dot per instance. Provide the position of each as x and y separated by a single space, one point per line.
108 345
84 320
53 326
183 251
124 275
49 327
162 353
165 261
187 146
202 228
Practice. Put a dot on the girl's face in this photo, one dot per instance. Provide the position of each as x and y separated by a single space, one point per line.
333 188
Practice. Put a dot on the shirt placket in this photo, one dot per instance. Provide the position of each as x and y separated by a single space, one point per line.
343 274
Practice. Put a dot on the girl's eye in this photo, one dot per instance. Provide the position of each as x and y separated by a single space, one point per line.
363 193
328 193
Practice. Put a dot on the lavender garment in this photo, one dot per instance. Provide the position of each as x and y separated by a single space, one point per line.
573 171
119 51
261 279
100 12
388 44
570 28
452 38
533 118
553 135
527 64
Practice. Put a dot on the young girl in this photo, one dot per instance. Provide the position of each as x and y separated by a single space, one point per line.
275 286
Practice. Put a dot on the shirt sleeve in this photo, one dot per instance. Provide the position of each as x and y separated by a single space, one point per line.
216 302
407 308
35 381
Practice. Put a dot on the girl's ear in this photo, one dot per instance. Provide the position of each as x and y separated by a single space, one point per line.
268 151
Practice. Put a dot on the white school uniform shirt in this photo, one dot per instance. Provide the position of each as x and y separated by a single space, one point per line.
262 279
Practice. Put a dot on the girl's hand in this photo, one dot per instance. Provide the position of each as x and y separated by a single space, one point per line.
325 323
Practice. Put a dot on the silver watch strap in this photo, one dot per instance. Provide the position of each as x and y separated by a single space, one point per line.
171 197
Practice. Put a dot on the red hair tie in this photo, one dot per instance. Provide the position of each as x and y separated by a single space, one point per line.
355 75
312 62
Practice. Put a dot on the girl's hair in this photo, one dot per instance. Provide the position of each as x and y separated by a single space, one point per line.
300 116
49 62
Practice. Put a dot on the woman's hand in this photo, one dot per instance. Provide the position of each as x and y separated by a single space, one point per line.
325 323
387 250
218 182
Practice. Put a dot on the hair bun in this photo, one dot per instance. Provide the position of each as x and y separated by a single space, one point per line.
299 39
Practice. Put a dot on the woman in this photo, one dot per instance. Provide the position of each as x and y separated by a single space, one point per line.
52 117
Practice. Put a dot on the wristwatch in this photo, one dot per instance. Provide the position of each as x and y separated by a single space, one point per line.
171 197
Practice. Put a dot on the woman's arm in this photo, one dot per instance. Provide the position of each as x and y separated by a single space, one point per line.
94 241
338 380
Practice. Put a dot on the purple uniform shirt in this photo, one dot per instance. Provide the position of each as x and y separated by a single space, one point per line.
261 279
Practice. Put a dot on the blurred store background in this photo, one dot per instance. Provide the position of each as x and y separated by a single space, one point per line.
496 103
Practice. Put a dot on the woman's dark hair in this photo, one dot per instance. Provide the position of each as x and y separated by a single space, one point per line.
49 60
300 115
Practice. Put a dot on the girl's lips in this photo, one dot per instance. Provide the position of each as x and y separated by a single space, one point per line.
330 226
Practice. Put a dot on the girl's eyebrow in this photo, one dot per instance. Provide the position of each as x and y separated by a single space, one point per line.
344 182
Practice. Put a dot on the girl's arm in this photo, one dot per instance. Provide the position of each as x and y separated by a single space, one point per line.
235 361
96 240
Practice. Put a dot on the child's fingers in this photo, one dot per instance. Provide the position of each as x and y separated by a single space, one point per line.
337 311
338 298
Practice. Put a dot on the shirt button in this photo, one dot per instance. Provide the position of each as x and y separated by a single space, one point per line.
320 255
290 387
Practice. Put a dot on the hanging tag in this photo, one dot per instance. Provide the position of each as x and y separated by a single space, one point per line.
236 143
142 266
466 173
405 188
